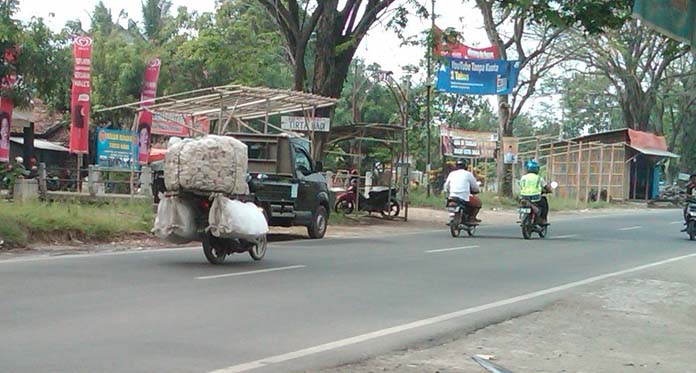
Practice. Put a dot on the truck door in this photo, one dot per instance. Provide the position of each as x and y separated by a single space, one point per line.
306 201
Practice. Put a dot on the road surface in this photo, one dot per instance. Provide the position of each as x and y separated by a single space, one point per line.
309 304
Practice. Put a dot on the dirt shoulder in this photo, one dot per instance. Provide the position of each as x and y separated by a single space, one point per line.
641 323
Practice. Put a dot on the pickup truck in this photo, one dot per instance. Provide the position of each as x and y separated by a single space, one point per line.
286 182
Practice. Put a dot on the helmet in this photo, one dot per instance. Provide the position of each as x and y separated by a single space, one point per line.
461 163
19 159
532 166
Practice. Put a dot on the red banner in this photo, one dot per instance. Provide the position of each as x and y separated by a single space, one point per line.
143 136
451 47
6 107
175 124
147 97
80 101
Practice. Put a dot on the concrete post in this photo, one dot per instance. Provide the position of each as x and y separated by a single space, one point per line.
145 180
43 175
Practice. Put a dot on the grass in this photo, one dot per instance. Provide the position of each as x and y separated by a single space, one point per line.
24 223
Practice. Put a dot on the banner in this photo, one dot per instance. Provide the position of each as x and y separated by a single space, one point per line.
6 107
80 100
115 149
302 124
143 136
673 18
457 142
147 98
447 46
478 77
149 90
174 124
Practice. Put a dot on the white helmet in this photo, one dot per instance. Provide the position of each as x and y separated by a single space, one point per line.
19 159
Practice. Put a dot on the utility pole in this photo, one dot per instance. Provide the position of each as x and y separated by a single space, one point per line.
428 86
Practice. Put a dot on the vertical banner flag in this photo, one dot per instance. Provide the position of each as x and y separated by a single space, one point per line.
80 100
6 107
147 98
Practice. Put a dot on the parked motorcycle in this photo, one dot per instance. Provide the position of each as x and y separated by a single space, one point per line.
459 219
691 218
529 215
379 199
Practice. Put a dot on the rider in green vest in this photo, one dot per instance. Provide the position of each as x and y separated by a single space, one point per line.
532 187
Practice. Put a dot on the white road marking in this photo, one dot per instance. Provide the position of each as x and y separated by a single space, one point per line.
250 272
432 320
562 237
677 222
452 249
631 228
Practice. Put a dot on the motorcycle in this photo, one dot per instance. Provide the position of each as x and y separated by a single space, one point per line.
691 218
379 199
529 214
459 219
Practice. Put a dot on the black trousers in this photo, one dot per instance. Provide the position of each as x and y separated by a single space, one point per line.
543 204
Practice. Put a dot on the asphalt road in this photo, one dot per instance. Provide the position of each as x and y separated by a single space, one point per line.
308 304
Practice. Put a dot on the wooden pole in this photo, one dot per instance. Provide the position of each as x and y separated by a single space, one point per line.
577 176
601 172
587 175
134 159
611 173
78 184
567 172
551 166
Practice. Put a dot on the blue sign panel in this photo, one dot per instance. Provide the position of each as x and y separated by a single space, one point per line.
478 77
115 148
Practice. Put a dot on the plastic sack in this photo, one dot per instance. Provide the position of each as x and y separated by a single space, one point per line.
235 219
175 221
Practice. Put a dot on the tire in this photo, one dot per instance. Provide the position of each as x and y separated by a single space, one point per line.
543 231
691 228
393 211
317 229
471 230
344 207
454 226
258 251
214 254
527 227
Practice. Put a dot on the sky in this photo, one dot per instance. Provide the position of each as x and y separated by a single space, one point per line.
380 46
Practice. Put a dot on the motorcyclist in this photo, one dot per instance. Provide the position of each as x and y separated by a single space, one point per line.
690 188
533 187
462 184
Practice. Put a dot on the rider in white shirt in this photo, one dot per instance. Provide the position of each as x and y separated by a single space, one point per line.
462 184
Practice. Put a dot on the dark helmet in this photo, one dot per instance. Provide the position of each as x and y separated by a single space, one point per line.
461 163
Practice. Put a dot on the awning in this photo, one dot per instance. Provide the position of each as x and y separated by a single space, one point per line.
41 144
157 154
654 152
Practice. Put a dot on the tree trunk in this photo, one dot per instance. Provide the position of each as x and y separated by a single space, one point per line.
504 171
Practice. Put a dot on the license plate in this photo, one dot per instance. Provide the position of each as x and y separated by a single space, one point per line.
692 213
524 210
452 209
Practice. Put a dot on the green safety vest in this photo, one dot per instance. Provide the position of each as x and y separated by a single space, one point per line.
530 185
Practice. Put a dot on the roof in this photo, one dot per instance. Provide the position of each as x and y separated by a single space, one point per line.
654 152
41 144
239 101
45 120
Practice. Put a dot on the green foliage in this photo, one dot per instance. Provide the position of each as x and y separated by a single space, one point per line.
24 223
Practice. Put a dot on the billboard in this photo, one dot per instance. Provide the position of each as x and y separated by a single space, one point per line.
115 148
147 96
175 124
448 46
457 142
303 124
478 77
80 98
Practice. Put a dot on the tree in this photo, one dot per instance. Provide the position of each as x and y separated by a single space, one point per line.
336 31
155 13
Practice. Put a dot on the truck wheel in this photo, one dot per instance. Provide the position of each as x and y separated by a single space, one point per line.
319 223
213 250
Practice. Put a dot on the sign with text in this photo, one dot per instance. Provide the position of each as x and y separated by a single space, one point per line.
448 45
457 142
115 148
478 77
80 99
303 124
175 124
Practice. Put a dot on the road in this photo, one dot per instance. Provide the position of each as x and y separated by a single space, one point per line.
309 304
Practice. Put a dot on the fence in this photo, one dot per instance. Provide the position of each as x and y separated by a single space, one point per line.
93 181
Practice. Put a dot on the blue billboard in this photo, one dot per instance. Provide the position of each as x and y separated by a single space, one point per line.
477 77
115 148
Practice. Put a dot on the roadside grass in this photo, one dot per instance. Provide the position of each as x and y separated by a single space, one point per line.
24 223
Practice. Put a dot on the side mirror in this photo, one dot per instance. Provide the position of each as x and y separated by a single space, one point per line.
554 185
318 166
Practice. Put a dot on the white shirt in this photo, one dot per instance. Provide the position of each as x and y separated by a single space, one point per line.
460 184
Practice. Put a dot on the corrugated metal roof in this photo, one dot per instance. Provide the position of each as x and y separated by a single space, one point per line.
654 152
41 144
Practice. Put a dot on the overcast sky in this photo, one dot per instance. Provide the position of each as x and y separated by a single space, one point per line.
379 46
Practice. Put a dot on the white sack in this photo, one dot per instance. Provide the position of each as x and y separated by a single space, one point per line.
209 164
236 219
176 221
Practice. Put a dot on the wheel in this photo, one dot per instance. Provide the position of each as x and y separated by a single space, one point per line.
319 223
344 207
454 226
691 228
393 211
527 227
258 250
213 250
543 231
471 230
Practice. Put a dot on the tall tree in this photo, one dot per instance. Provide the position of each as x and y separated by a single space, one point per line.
155 13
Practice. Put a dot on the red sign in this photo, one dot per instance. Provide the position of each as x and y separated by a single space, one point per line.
450 47
6 107
80 101
149 91
143 136
174 124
